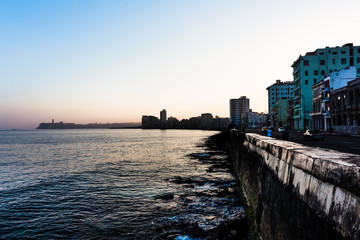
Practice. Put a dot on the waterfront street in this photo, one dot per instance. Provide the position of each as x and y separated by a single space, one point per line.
341 143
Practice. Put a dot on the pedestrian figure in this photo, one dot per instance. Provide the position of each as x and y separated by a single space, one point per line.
269 132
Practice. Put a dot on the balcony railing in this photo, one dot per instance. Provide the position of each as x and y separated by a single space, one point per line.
354 106
321 113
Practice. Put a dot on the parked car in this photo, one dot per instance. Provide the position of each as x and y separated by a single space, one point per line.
313 134
281 129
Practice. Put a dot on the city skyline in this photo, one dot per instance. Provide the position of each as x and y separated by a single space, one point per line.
114 61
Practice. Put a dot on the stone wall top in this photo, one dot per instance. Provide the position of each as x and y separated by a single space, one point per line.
340 169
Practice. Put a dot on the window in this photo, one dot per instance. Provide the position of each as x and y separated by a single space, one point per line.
314 80
321 53
343 52
322 62
334 53
306 82
358 70
334 61
358 60
322 72
306 62
358 50
306 73
330 71
316 72
343 61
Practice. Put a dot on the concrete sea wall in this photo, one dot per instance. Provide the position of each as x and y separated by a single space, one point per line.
295 191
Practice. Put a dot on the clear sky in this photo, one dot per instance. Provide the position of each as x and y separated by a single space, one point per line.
103 61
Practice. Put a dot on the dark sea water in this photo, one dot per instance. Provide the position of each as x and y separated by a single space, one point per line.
115 184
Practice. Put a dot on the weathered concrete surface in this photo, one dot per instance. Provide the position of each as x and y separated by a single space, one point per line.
298 192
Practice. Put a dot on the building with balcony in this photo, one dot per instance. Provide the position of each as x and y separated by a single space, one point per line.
311 69
321 92
237 107
321 105
345 108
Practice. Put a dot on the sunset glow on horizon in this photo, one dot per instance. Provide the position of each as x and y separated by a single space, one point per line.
114 61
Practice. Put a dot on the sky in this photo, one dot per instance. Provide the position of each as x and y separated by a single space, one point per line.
86 61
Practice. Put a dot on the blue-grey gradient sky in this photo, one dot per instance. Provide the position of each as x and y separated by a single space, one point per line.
103 61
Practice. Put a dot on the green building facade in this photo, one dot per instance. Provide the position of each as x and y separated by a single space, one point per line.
311 69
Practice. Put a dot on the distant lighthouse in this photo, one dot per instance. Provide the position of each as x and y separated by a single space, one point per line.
52 121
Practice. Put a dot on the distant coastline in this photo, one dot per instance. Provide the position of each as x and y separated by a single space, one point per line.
62 125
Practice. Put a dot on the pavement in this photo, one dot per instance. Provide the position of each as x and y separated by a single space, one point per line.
338 142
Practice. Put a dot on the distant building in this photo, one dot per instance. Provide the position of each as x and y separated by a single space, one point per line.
150 122
172 122
221 123
250 120
163 118
237 107
194 123
311 69
279 90
207 121
263 120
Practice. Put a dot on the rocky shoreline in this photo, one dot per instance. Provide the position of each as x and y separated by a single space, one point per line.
213 209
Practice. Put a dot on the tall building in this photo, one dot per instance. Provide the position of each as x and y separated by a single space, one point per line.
237 107
311 69
279 90
163 118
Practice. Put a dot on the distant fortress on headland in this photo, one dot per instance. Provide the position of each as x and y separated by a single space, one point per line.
62 125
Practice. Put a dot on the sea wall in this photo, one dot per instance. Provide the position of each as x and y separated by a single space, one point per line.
295 191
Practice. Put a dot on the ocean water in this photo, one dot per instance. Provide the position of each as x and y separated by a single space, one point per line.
114 184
